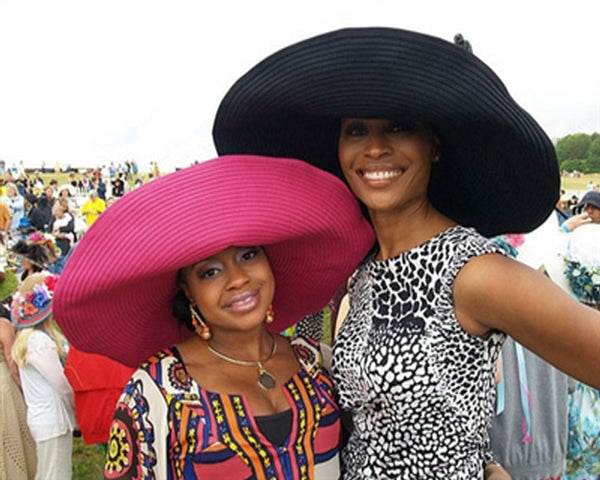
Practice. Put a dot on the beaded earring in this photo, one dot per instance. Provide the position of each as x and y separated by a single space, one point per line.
198 323
270 315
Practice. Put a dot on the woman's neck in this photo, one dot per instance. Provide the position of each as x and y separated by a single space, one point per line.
399 231
254 345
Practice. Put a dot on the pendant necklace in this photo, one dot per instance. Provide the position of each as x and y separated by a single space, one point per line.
266 380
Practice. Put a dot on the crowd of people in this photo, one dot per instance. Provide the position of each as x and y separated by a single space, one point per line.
352 178
42 222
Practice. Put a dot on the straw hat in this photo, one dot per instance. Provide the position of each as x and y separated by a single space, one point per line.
32 303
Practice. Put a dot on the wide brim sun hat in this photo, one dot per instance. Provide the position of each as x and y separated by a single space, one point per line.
497 171
66 186
116 292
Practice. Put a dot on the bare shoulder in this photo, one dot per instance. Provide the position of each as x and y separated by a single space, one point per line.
495 291
486 283
492 292
7 330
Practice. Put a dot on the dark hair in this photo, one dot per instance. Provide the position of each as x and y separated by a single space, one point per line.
31 198
181 309
181 305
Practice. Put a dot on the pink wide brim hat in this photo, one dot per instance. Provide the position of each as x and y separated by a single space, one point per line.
115 295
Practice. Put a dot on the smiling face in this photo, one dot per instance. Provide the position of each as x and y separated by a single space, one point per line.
387 164
231 289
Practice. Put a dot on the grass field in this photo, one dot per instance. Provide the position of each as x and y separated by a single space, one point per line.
579 184
88 461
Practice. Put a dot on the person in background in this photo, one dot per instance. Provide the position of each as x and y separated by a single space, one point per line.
16 204
118 185
45 204
529 432
63 228
17 455
37 181
92 208
100 187
73 180
563 212
587 211
582 269
34 257
5 218
39 350
67 192
84 184
97 382
110 201
33 213
573 201
589 204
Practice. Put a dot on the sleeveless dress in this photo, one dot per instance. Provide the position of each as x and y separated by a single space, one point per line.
167 426
420 389
17 447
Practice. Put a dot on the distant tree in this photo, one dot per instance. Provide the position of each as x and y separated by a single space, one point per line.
593 165
572 165
573 147
594 148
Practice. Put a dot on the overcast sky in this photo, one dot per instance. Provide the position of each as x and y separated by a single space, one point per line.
89 82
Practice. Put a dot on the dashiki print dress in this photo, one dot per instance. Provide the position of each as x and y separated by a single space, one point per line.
166 426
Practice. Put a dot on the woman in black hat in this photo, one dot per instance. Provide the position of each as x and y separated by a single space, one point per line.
440 155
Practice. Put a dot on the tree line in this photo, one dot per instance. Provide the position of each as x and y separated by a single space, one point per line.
579 151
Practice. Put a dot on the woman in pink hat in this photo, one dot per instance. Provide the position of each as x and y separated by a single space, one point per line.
197 305
440 155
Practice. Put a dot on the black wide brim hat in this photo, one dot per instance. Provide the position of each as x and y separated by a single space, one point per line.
498 170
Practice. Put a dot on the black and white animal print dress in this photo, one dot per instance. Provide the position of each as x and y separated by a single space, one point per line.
421 389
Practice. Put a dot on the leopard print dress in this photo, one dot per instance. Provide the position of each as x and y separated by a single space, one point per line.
420 389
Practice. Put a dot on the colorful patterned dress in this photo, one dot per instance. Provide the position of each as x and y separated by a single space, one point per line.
166 426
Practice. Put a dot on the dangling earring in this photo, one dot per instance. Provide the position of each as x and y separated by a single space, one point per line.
270 314
198 323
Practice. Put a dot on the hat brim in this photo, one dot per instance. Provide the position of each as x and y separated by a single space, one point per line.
29 321
587 199
116 292
498 171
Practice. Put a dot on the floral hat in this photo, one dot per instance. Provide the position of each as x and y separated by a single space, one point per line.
39 249
32 303
582 264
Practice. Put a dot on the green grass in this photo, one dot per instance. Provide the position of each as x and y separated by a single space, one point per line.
580 183
88 461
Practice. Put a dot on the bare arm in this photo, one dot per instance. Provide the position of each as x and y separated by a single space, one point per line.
495 472
496 293
7 338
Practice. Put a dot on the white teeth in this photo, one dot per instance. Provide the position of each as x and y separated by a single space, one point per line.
382 175
243 300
